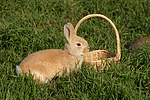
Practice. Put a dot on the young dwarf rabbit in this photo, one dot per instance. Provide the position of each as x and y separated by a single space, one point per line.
138 43
46 64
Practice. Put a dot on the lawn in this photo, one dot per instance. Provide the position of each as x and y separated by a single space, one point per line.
27 26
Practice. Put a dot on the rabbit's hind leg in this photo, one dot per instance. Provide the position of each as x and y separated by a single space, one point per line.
40 77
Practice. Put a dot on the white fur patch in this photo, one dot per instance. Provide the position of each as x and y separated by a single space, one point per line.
18 70
46 80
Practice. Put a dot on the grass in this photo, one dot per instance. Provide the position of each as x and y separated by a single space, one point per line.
27 26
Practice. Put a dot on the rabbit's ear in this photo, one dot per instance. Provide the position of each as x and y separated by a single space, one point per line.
69 32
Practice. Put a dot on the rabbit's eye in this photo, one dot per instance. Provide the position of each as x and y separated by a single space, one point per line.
78 44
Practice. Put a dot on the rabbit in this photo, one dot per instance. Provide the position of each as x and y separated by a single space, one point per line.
138 43
46 64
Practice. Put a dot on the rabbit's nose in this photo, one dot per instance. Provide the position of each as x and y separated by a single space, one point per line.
86 49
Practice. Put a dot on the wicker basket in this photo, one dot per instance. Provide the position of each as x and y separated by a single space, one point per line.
101 57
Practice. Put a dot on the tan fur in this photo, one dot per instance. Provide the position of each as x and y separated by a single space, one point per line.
46 64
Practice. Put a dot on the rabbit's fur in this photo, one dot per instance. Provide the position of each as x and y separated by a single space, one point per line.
46 64
139 43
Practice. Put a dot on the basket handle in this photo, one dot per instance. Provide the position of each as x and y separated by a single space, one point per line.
118 52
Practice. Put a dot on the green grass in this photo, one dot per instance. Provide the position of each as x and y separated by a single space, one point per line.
27 26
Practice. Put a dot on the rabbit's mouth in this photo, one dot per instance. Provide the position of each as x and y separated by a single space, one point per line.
85 52
77 53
